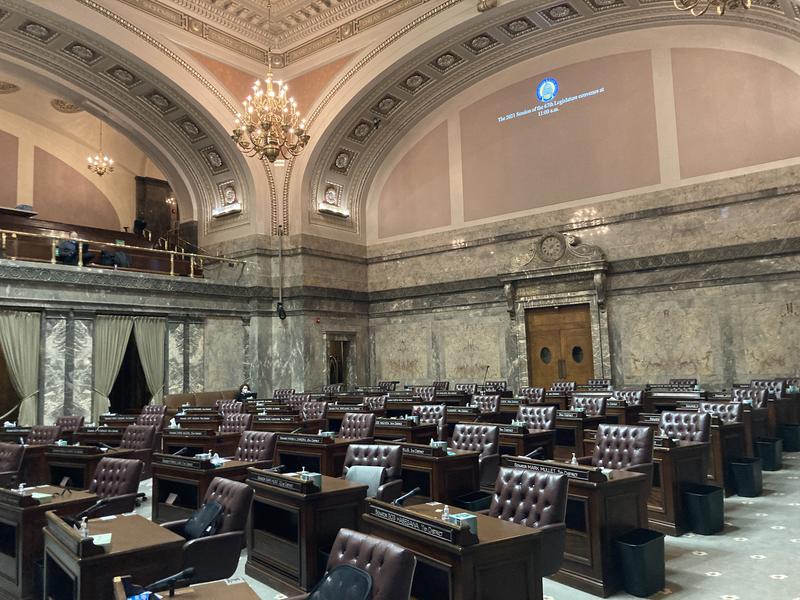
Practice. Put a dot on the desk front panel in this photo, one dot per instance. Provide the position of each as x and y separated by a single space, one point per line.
441 478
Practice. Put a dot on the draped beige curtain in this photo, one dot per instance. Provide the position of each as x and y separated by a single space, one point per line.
19 335
111 334
150 333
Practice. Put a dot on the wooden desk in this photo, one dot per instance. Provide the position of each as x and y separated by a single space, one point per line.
519 441
287 423
393 429
202 421
76 569
236 589
189 478
34 465
291 526
510 406
77 462
21 541
659 400
97 436
199 441
336 413
504 561
12 435
316 453
442 475
599 510
570 434
621 413
755 421
397 407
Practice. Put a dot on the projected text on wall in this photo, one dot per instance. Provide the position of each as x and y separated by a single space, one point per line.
549 103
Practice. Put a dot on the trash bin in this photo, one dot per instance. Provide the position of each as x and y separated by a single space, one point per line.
705 508
474 501
746 474
770 451
641 558
790 434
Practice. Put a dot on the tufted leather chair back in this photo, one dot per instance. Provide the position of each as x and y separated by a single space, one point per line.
686 426
431 413
313 410
537 417
441 386
296 401
727 412
229 406
391 566
357 425
235 422
157 409
757 397
235 498
529 497
497 386
375 455
115 477
620 446
478 438
256 446
684 382
563 386
375 402
388 386
10 457
532 394
43 435
152 419
138 437
791 381
69 423
425 393
487 404
282 394
599 383
776 386
469 388
592 405
333 388
632 397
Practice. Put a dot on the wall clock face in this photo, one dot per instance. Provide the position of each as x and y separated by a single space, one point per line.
551 247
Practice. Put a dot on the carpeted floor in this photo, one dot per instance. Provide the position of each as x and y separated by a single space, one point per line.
757 557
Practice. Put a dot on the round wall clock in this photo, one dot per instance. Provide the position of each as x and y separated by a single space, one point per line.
551 247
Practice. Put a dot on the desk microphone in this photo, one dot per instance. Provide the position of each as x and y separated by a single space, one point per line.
406 496
171 582
21 441
485 375
279 469
296 430
104 445
75 520
181 451
538 453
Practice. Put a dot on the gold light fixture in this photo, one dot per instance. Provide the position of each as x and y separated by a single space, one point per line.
100 163
269 125
700 7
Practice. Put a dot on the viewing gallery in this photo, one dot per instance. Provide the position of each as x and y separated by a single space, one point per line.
399 299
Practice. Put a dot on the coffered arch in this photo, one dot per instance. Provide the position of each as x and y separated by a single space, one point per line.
425 75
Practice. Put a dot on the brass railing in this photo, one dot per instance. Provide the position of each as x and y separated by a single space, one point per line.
9 238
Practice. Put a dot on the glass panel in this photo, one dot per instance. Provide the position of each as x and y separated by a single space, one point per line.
546 355
577 354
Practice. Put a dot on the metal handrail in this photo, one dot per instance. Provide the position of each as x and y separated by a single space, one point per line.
195 260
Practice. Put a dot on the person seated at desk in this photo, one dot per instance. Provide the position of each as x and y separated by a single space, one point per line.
245 393
68 251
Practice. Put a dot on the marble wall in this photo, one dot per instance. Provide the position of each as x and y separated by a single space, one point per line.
82 375
225 349
54 367
175 362
195 351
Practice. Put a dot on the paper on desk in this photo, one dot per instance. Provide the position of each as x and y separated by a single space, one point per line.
108 518
101 539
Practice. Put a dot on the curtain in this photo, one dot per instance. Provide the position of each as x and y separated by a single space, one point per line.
150 333
111 334
19 335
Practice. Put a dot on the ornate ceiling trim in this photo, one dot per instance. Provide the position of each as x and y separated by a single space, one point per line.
437 71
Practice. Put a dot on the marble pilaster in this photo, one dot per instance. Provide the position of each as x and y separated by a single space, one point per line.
195 353
175 341
82 368
54 368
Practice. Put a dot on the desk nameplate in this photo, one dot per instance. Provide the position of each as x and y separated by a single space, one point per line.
188 433
296 438
74 450
421 450
197 418
660 441
463 410
570 414
17 430
197 410
276 419
590 474
395 423
458 535
692 405
616 403
186 462
513 429
118 418
283 482
102 429
347 408
649 419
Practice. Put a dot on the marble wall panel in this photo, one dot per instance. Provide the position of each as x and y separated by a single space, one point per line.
403 351
82 374
471 344
175 341
224 353
54 368
288 366
196 342
260 360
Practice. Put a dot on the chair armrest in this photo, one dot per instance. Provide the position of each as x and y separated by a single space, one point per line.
391 490
213 557
175 526
646 468
488 467
585 460
117 505
554 538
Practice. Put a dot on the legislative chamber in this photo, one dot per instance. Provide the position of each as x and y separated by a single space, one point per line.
399 300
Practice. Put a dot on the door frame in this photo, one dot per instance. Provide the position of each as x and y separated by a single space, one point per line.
350 373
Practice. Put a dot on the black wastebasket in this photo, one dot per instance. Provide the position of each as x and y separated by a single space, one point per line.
746 474
770 451
474 501
790 434
705 508
641 558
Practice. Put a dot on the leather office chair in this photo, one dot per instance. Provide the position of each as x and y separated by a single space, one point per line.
532 394
756 397
483 439
333 388
388 386
216 556
10 463
390 565
683 382
631 397
424 393
685 426
235 422
313 410
441 386
378 455
226 407
141 439
282 394
469 388
727 412
375 402
496 386
487 404
593 406
537 500
256 446
116 479
623 447
152 419
43 435
155 409
356 426
537 417
603 384
563 386
296 401
432 413
69 423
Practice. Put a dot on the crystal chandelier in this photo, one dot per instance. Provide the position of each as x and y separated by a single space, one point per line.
700 7
100 163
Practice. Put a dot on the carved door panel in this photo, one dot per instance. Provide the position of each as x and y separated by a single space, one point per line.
559 345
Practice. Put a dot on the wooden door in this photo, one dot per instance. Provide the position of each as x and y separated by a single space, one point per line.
559 344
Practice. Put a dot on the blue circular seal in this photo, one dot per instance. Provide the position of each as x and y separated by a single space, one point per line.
547 89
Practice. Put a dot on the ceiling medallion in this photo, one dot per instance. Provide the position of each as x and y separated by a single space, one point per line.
698 8
386 105
343 160
122 75
559 13
82 52
35 30
519 26
65 107
480 43
7 87
414 82
214 159
446 61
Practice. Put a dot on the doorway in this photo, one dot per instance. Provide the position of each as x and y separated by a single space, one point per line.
559 344
338 353
130 392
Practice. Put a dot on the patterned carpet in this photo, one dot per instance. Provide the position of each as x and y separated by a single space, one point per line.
757 557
